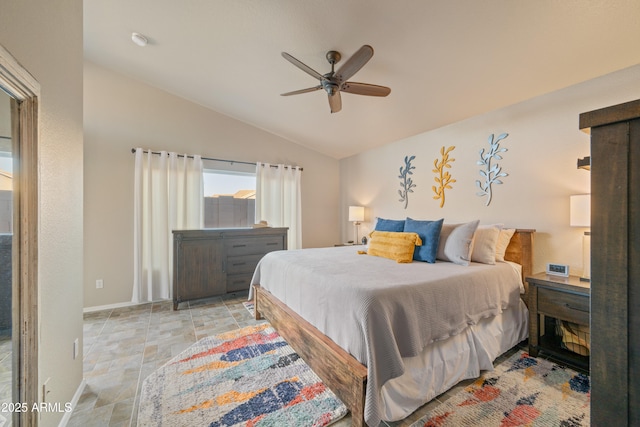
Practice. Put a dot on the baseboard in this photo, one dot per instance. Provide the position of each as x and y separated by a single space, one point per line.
117 305
110 306
74 401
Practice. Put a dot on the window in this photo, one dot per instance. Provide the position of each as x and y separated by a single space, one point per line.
6 186
229 198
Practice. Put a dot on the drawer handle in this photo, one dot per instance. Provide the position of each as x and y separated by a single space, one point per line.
235 264
567 305
273 244
239 246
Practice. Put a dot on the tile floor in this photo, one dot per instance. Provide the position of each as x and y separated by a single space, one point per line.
123 346
5 377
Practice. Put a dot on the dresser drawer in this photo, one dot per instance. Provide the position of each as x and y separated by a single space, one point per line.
565 306
253 245
238 282
242 264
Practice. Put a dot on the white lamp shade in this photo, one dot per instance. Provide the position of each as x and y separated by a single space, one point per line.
580 210
356 213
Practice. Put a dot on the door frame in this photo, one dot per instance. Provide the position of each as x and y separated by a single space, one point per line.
24 90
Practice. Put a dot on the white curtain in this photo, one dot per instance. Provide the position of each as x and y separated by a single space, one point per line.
168 195
278 199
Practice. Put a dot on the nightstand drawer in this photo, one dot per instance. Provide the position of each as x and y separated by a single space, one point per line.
570 307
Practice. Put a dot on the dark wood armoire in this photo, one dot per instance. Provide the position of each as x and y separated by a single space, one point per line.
615 263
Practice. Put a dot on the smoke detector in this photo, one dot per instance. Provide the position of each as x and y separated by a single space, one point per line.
139 39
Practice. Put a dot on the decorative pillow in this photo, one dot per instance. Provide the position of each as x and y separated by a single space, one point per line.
484 243
429 232
456 242
503 242
393 245
389 225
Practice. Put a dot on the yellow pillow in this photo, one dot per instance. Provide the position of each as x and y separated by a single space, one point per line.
393 245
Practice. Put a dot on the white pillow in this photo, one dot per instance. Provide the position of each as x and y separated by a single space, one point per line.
503 242
485 243
456 242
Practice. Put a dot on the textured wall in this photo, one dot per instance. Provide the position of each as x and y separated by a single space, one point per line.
46 39
543 146
121 113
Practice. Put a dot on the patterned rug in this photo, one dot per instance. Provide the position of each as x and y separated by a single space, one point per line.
249 306
248 377
521 391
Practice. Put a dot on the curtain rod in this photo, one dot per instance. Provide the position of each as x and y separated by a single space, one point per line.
133 150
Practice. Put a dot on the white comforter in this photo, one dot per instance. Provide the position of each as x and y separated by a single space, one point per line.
381 311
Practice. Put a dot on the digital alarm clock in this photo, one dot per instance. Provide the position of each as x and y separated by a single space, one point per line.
558 269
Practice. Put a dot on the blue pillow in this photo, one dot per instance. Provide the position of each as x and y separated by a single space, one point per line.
389 225
429 232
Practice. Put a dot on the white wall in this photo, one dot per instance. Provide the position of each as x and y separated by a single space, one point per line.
46 38
121 113
5 120
543 145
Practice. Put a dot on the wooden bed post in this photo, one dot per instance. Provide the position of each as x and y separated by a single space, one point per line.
520 250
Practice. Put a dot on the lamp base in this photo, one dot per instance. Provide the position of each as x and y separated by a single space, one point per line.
586 257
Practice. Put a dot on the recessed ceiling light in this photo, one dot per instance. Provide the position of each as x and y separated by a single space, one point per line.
139 39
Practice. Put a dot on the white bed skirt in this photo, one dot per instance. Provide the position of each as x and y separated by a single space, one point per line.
445 363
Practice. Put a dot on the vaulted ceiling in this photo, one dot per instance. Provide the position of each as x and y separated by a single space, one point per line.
444 60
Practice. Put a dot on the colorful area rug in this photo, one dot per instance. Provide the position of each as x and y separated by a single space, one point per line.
248 377
522 391
250 308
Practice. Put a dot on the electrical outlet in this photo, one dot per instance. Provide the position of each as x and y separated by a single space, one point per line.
45 389
76 348
99 284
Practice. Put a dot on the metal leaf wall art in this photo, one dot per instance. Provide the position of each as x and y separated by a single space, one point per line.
491 172
406 182
443 178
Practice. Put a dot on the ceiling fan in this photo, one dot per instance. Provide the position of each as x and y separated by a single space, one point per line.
335 82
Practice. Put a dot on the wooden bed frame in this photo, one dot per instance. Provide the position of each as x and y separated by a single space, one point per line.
340 371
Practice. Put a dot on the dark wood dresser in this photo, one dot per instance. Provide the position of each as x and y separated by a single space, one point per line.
615 263
217 261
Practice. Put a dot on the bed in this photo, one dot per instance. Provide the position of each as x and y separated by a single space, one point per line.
366 368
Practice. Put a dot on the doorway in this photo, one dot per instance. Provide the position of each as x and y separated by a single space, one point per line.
6 238
19 93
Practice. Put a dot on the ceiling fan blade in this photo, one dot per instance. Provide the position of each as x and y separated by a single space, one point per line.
297 92
302 66
335 102
365 89
353 64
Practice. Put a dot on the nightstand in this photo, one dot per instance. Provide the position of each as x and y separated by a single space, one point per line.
557 298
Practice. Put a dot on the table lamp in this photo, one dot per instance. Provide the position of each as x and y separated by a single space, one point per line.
356 215
580 213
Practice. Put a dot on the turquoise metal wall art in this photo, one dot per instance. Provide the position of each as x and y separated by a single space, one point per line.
406 182
492 172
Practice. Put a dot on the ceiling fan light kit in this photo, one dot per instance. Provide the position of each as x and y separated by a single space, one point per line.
335 82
